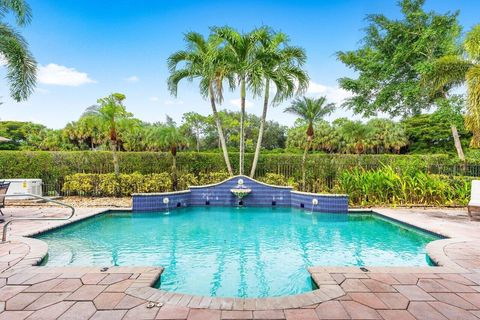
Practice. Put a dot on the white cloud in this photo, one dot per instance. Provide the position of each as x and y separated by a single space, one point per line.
55 74
169 102
334 94
236 103
153 99
132 79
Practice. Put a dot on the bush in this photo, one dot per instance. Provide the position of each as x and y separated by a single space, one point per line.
81 184
156 182
185 180
387 186
278 180
212 177
108 185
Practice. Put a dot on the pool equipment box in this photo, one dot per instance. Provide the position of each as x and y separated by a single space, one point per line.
21 186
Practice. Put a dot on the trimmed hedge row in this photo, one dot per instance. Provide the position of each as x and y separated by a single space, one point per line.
53 167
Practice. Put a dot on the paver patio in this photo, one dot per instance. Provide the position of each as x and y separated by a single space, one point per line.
450 291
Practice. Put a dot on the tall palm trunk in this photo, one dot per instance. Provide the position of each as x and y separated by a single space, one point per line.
304 159
221 136
261 129
173 151
242 125
113 147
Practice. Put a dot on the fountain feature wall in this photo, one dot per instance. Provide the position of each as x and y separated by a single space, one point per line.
261 195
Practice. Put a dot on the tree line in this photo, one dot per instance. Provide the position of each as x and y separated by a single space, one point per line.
424 133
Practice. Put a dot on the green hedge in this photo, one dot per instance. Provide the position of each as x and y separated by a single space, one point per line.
52 167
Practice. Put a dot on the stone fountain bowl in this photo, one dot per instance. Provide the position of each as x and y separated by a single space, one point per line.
241 193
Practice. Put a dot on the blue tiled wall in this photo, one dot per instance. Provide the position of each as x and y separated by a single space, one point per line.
154 202
262 195
326 203
220 195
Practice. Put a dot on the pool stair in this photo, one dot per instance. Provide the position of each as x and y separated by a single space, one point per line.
261 195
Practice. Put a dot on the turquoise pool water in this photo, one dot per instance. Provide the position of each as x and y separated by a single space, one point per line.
240 252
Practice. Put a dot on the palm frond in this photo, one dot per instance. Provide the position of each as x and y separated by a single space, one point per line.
21 66
446 71
20 8
175 77
472 43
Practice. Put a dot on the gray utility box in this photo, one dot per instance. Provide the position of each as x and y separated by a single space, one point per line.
21 186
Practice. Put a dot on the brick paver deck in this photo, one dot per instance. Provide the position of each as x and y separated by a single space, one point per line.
451 291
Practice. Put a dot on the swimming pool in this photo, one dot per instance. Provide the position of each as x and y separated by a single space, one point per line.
236 252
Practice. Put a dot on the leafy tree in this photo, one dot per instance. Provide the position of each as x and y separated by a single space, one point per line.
356 136
21 66
204 60
88 131
274 135
110 113
194 126
19 133
392 58
134 135
168 137
309 110
386 136
50 140
430 133
454 70
281 66
325 139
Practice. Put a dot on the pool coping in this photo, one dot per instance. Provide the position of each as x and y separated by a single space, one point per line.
327 289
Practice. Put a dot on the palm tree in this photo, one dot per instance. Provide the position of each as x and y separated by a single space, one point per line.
111 111
21 66
309 110
204 60
172 139
454 70
357 136
240 52
281 65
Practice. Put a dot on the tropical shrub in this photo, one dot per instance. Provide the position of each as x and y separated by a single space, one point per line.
185 180
156 182
81 183
278 180
386 186
212 177
111 185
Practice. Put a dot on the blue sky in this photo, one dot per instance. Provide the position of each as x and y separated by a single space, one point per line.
87 49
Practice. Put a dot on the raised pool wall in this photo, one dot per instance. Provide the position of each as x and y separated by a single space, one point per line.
219 194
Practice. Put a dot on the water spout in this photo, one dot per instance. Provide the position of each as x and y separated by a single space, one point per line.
166 201
314 203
